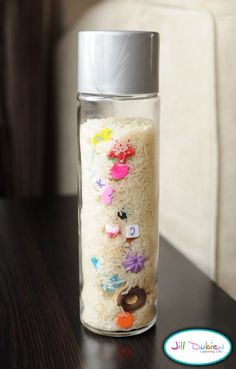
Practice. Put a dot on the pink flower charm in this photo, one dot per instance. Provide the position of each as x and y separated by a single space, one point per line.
119 171
112 231
106 195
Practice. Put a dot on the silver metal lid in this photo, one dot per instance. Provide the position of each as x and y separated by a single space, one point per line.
118 62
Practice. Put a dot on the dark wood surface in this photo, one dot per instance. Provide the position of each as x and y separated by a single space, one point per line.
39 312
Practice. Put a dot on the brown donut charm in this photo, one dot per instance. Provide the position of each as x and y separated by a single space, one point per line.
132 300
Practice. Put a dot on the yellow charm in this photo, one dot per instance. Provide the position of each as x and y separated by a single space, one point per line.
103 135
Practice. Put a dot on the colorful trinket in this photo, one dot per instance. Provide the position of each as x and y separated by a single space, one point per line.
132 231
124 320
106 195
121 153
132 300
99 183
119 171
112 283
134 263
122 214
112 231
101 136
95 262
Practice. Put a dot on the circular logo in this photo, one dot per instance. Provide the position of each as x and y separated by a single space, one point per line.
197 346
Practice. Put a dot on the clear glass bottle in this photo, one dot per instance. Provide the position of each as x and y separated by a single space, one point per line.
118 131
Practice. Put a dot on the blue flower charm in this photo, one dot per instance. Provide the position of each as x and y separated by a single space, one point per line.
112 283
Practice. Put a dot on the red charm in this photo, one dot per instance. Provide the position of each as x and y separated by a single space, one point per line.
121 153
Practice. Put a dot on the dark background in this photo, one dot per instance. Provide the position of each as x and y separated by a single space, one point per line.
28 30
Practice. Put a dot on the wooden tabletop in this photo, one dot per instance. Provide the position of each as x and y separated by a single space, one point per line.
39 296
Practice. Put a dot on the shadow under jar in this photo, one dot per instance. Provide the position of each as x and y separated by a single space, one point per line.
118 131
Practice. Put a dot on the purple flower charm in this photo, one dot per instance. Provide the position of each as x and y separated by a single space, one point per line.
134 263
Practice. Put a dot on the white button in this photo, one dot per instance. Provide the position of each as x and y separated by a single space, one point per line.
132 231
99 183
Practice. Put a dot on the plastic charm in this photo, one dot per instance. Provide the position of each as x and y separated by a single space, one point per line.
112 283
106 195
112 231
132 300
124 320
119 171
103 135
134 263
121 153
95 262
122 214
132 231
99 183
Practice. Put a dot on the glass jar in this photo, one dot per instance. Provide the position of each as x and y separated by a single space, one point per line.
118 182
